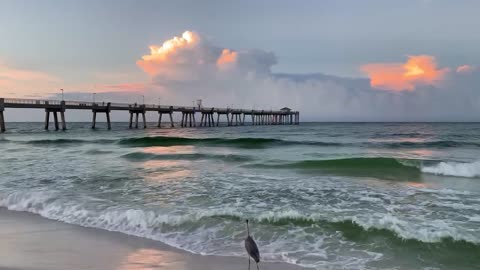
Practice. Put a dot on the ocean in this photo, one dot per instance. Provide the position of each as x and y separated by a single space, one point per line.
319 195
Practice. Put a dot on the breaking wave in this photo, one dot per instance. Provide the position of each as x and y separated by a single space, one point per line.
151 223
454 169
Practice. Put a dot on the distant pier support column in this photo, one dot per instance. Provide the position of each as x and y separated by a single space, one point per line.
130 123
207 118
97 108
159 119
188 119
109 124
144 120
55 118
171 117
62 115
137 110
94 119
219 113
64 124
55 109
201 119
2 122
47 119
2 117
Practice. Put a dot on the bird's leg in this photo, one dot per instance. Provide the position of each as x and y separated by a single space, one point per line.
257 266
249 262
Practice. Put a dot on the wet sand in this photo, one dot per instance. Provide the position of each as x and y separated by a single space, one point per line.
30 242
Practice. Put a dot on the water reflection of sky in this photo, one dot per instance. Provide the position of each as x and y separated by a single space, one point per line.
150 259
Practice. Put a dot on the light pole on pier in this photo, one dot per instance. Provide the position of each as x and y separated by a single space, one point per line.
62 93
94 94
143 99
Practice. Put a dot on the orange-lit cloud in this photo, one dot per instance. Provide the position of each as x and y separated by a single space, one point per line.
465 69
419 69
162 58
191 58
227 59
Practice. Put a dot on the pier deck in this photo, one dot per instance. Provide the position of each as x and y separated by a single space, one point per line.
284 116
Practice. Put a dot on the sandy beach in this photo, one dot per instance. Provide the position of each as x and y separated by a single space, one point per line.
30 242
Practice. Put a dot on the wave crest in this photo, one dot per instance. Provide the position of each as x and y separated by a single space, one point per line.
454 169
145 223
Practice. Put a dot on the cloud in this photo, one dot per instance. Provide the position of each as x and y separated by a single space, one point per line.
189 58
465 69
23 82
227 59
13 74
122 87
418 70
190 68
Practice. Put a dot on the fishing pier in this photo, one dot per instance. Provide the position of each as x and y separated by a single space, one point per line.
233 117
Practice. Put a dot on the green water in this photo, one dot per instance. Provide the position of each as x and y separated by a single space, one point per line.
320 195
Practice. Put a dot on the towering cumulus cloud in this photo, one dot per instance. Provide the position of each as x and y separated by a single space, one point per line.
190 58
418 70
189 67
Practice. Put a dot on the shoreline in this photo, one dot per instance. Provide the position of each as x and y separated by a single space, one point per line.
31 242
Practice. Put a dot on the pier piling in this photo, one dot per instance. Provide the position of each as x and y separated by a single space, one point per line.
137 110
97 108
171 120
55 118
2 117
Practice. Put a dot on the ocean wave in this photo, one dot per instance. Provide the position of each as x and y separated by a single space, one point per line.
207 226
145 223
141 156
469 170
235 142
434 144
247 142
381 167
66 141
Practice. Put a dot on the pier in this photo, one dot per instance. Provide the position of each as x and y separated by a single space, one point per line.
234 117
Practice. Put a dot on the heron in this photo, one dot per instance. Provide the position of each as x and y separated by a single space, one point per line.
251 248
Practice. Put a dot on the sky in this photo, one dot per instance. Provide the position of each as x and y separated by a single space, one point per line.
338 60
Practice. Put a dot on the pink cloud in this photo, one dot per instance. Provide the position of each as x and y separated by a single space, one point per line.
9 73
465 69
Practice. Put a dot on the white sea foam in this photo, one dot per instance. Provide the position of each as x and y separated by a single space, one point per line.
150 224
454 169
